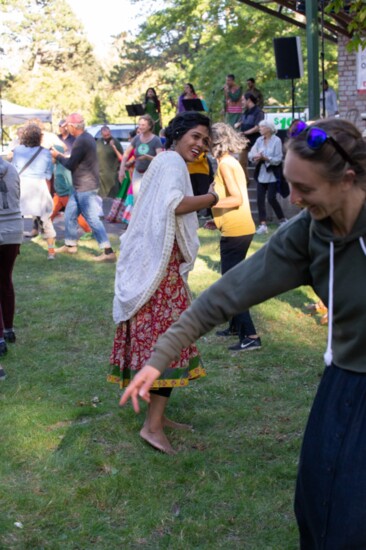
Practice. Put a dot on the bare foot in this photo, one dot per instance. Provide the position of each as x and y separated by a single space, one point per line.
176 425
158 440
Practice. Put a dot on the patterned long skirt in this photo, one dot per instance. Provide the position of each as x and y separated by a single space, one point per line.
135 338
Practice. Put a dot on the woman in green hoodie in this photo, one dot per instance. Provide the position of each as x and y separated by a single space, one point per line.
324 247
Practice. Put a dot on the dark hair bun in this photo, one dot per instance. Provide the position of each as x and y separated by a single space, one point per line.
183 122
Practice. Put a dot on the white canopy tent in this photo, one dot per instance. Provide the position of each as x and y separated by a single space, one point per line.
16 114
10 114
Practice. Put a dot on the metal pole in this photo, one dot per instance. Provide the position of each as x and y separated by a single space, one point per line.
322 57
312 37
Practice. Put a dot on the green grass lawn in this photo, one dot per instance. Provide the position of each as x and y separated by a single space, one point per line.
74 473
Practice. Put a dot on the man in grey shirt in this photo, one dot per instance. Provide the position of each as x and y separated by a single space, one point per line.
83 164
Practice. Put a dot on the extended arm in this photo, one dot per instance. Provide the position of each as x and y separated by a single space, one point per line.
234 197
125 157
193 204
117 148
72 162
280 265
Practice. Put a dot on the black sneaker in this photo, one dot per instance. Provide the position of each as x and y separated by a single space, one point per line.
227 332
248 344
2 373
3 348
9 336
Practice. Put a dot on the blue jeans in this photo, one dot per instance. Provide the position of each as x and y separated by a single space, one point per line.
84 203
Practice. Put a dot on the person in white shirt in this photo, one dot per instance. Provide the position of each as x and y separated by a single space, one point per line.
331 102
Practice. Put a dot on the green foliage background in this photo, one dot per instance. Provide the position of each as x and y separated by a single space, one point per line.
46 60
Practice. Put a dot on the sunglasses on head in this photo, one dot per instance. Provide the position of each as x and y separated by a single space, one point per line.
316 137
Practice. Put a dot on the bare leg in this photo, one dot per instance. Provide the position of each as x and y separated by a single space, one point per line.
51 248
152 430
50 234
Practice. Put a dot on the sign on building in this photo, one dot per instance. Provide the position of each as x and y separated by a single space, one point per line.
361 71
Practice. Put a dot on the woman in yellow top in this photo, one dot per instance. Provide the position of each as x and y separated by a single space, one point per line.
232 216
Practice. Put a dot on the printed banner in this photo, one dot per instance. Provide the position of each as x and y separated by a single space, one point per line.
361 71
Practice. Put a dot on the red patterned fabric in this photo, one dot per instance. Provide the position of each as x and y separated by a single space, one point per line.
135 338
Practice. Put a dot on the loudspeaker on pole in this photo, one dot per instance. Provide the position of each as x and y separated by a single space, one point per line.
288 57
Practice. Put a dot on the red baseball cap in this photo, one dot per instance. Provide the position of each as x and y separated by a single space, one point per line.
74 118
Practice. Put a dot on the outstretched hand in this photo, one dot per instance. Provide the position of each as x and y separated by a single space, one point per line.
140 386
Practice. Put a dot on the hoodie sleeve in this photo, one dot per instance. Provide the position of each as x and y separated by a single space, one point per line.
281 265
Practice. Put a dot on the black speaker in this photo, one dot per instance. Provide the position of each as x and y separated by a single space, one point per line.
288 57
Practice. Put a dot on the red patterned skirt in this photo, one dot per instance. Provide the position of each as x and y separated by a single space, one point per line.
135 338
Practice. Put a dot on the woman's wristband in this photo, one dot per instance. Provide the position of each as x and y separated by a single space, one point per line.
215 196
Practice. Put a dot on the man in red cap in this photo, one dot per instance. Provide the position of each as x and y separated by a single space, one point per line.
83 164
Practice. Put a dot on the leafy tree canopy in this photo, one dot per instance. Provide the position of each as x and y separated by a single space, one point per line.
200 42
357 26
52 64
51 58
45 33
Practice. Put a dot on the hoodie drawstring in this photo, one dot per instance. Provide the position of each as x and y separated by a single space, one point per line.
363 246
328 355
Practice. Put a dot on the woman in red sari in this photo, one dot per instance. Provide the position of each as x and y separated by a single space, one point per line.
157 253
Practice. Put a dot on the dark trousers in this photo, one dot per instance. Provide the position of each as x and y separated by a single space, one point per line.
243 159
8 255
330 501
232 251
271 188
163 392
200 184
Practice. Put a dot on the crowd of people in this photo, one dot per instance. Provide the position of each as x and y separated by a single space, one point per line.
48 173
157 324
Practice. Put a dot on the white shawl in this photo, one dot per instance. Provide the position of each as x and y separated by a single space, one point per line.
147 244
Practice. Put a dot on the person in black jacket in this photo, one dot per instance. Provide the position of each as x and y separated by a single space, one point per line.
249 126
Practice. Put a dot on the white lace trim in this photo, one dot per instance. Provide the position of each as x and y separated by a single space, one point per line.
147 244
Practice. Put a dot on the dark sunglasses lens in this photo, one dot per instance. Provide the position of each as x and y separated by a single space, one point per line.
299 127
316 138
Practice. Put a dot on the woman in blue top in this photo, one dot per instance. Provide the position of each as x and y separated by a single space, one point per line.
34 165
